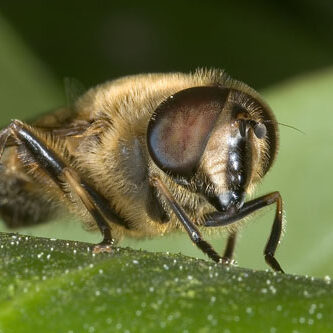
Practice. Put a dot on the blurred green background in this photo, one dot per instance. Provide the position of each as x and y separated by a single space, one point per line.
283 49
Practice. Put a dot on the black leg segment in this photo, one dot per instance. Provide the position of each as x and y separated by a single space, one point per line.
189 226
230 247
226 218
49 161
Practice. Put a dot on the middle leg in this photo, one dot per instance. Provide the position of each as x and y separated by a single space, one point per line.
46 159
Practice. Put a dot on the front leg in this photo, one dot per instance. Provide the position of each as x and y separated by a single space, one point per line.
189 226
225 218
57 169
230 247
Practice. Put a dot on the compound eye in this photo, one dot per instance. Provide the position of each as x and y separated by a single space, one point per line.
181 126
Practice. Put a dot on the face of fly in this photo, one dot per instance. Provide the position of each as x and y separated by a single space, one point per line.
220 140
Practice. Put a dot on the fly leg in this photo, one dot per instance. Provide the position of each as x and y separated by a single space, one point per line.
224 218
189 226
230 247
44 158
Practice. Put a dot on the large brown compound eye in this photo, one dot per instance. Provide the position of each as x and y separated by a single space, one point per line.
180 128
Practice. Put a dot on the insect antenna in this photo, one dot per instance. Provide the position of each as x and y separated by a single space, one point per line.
285 125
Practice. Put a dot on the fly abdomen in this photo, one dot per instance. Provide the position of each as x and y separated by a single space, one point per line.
22 203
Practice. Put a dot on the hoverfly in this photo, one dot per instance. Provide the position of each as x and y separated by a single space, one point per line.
145 155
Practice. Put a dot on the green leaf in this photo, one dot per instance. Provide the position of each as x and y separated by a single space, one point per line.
58 286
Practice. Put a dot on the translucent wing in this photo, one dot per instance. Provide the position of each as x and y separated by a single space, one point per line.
73 90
